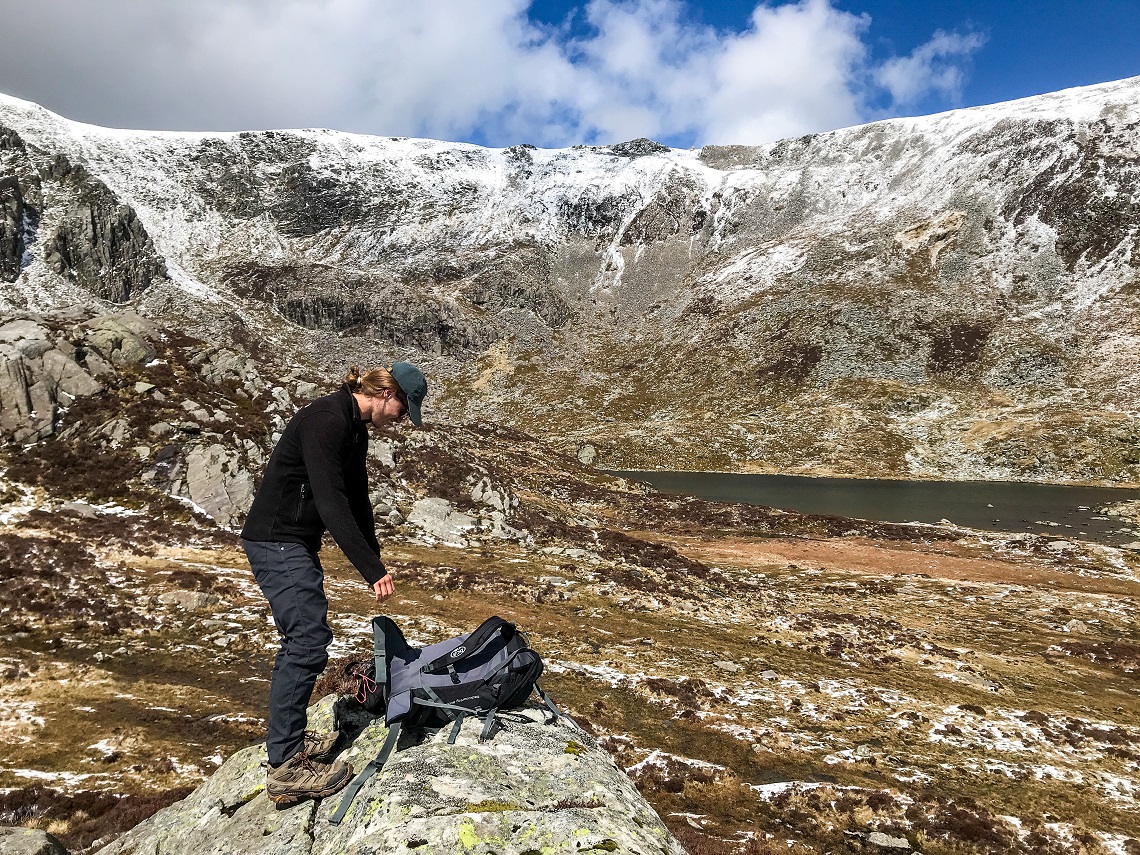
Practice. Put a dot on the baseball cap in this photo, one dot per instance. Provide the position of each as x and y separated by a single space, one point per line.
414 386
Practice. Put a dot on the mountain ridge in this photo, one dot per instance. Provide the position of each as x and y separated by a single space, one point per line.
1068 96
961 283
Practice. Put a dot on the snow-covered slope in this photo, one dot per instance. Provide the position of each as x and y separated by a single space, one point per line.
951 295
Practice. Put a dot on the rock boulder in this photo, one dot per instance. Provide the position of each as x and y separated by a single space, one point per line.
218 481
29 841
15 401
121 339
39 371
67 375
534 787
439 519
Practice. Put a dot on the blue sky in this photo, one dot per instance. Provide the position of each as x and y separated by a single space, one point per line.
1032 46
551 72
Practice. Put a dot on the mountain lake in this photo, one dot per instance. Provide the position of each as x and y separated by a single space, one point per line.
1007 506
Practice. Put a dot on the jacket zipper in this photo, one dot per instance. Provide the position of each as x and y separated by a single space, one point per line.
301 502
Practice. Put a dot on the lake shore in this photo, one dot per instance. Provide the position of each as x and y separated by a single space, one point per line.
1098 514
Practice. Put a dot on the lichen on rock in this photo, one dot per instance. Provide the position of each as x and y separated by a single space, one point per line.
519 792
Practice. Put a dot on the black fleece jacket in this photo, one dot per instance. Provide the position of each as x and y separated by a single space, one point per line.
316 480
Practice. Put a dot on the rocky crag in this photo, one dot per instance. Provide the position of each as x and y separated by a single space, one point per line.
112 406
537 786
947 296
92 385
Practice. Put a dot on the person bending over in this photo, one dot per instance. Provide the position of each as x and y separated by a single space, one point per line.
316 481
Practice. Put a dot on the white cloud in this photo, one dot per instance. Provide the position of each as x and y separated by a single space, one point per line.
931 68
458 69
795 70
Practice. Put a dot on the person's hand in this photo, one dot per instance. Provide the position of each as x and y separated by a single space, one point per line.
384 588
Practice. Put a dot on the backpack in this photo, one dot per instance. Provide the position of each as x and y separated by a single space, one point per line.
491 669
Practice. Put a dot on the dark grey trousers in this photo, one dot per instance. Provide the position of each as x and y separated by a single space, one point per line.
292 580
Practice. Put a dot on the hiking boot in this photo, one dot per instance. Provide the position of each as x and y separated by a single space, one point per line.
319 746
301 777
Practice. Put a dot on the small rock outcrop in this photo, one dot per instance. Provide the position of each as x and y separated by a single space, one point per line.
438 519
219 482
587 454
219 365
121 339
535 787
44 367
29 841
639 147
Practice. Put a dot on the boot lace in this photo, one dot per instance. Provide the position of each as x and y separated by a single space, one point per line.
365 686
306 763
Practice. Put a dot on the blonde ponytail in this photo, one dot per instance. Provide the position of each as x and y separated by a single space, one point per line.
352 378
371 382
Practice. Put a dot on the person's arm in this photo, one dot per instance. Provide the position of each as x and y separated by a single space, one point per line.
357 485
322 436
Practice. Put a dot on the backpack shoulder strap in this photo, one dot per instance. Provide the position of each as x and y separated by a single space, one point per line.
554 709
471 644
387 640
377 763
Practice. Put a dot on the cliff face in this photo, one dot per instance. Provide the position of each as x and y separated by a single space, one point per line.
951 296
